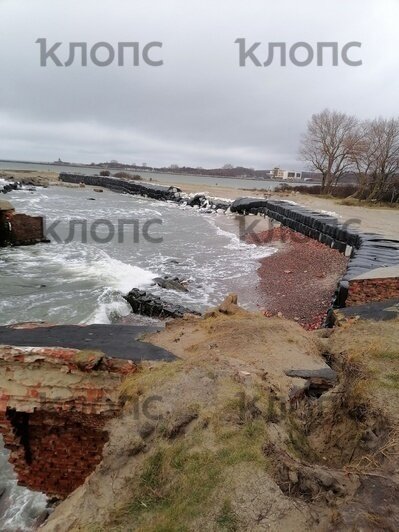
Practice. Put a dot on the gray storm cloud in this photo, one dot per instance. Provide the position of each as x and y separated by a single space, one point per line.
200 107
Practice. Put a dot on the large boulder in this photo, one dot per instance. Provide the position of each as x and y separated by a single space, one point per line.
171 283
149 305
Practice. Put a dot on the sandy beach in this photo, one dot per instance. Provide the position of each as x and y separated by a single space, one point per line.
384 221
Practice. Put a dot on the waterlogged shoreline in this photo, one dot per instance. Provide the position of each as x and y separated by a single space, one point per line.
324 227
79 282
287 283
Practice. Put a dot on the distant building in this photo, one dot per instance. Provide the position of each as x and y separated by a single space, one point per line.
289 174
286 175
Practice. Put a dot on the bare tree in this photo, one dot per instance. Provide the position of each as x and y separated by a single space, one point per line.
383 141
328 145
363 156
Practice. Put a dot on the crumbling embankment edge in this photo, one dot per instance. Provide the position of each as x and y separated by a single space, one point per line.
373 270
59 389
115 341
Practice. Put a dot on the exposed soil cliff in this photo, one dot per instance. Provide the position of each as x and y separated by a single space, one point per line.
224 439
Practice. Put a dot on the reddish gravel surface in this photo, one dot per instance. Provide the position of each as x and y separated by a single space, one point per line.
300 279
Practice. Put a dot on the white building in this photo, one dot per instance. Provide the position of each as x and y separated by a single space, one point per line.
287 175
291 174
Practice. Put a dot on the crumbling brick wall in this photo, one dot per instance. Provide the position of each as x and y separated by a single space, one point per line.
27 229
54 452
55 405
363 291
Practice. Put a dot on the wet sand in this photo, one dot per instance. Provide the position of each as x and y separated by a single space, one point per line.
384 221
23 175
220 191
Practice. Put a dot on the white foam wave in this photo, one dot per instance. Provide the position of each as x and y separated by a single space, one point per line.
111 306
251 250
330 213
113 273
84 262
113 276
81 271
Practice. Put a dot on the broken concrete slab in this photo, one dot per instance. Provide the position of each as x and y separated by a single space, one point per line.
115 341
378 311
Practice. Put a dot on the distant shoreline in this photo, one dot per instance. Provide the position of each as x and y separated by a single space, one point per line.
65 166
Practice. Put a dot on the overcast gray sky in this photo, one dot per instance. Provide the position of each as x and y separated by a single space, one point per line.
200 108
